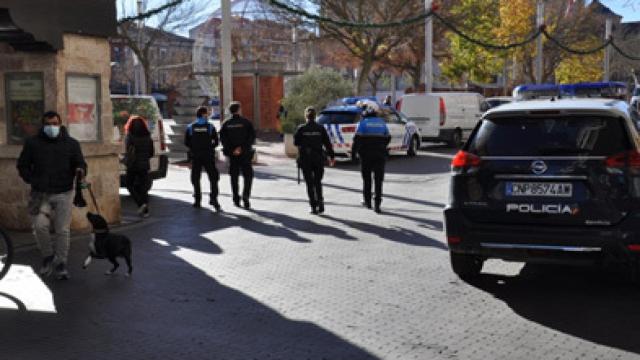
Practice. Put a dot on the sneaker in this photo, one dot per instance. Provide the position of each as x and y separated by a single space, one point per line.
47 266
246 203
61 272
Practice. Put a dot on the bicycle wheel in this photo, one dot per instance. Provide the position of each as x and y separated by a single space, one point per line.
6 253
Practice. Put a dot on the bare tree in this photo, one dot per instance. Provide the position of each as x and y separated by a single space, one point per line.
368 44
140 38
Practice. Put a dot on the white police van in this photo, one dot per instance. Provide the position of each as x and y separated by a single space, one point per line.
341 122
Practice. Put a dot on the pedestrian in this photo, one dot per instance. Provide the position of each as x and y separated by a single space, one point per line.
370 142
313 145
238 135
139 151
49 162
201 138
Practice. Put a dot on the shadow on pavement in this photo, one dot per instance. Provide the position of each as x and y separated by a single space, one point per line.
594 304
422 164
172 308
304 225
395 234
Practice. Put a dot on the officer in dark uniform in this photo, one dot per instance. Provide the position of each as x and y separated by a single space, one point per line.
238 135
370 142
313 145
201 138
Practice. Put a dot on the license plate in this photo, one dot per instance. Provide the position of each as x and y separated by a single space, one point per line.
545 189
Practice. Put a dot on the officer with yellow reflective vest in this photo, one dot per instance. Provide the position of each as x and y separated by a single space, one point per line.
370 142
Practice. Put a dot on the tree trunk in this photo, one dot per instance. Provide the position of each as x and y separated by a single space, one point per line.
367 64
146 66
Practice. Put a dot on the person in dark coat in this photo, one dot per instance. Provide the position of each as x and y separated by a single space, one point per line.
370 142
238 136
201 138
140 150
313 145
49 162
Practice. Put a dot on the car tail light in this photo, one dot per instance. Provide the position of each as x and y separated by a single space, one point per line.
453 240
629 159
464 159
163 143
348 129
443 112
634 247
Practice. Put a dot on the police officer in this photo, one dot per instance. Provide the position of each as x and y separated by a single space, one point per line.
201 138
313 141
370 142
238 135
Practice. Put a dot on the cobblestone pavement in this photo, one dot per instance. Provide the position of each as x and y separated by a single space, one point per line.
279 283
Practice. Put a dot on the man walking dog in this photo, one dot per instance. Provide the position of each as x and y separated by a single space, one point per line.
49 162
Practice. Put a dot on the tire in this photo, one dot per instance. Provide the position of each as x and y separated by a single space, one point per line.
456 139
467 267
413 146
6 253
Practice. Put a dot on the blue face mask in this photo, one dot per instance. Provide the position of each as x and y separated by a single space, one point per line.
52 131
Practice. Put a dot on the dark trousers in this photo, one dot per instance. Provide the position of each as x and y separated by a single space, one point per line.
375 167
209 165
138 184
313 179
238 164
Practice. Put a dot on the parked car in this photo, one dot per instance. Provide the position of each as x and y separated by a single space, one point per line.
448 117
146 106
491 102
342 121
547 181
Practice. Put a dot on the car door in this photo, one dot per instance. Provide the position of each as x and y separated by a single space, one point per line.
396 129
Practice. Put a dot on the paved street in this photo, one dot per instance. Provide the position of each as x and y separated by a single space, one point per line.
279 283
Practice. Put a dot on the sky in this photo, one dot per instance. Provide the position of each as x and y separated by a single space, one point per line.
629 9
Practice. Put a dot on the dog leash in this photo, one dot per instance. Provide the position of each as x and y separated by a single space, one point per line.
93 197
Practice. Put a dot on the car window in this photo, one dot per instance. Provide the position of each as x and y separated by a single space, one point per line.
554 136
338 118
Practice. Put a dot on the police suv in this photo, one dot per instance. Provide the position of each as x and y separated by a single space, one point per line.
341 122
554 180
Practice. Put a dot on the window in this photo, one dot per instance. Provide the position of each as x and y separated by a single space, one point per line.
570 136
83 107
25 104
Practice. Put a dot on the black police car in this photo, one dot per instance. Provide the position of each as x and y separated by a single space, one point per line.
547 181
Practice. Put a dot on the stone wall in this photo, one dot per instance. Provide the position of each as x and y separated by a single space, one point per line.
83 55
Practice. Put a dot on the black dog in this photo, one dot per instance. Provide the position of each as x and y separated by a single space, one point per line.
104 245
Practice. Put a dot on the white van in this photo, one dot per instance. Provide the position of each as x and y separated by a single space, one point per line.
445 116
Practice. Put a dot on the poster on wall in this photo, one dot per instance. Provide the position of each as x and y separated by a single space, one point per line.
25 104
82 108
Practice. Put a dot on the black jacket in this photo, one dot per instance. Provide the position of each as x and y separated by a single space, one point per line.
237 132
144 151
49 165
313 142
201 138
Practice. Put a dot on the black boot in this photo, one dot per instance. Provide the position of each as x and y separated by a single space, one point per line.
196 202
321 207
215 204
366 204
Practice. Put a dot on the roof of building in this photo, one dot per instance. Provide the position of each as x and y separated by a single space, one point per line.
39 25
